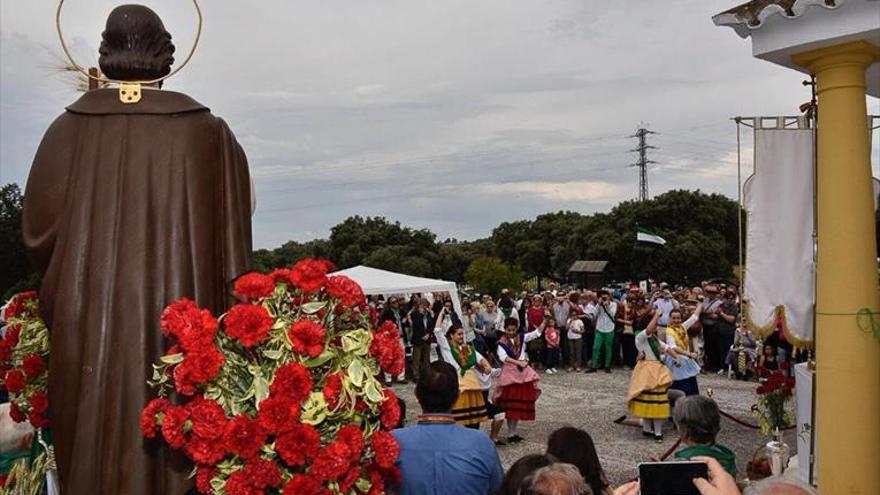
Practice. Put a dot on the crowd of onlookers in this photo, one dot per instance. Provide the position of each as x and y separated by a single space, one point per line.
587 330
438 456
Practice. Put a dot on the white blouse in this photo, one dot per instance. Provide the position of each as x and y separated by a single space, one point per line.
528 337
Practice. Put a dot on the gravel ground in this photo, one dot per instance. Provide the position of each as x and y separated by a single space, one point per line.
593 401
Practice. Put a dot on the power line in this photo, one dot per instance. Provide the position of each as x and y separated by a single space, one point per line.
643 162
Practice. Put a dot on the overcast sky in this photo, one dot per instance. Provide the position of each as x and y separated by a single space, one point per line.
453 115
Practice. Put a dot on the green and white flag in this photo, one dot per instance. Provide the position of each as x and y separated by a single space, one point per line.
645 235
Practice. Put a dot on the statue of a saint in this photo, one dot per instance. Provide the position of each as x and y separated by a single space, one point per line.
128 208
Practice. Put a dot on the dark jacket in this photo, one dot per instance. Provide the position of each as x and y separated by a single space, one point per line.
422 324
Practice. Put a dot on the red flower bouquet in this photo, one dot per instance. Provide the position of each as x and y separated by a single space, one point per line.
774 393
24 351
279 395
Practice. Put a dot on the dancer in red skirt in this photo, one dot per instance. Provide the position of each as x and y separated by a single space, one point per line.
517 389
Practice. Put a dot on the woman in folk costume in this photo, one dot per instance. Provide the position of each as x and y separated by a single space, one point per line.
648 396
517 389
470 407
684 372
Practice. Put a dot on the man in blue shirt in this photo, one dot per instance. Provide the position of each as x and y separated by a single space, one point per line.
438 456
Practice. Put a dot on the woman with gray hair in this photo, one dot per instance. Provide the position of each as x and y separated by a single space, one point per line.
556 479
699 421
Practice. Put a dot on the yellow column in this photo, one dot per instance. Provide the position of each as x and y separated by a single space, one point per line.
848 359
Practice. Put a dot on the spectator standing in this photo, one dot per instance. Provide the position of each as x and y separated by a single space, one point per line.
551 345
575 334
575 446
709 319
698 421
422 321
725 327
606 311
561 311
626 315
535 316
491 323
439 457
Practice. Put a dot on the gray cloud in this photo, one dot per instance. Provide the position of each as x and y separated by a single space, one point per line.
453 115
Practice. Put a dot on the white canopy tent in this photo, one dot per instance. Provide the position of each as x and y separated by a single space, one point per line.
376 281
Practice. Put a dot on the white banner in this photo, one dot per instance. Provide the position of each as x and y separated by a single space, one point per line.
779 270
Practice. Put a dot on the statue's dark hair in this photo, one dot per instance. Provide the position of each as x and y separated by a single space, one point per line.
135 45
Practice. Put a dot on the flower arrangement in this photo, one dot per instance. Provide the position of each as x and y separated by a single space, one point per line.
24 351
774 393
279 395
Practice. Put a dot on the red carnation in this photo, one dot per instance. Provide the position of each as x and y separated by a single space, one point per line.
333 389
5 351
205 451
377 483
39 402
307 338
15 413
298 445
249 323
239 484
353 438
331 462
37 420
262 473
388 351
12 334
386 449
389 410
18 305
349 479
192 326
204 474
310 274
278 414
14 381
244 437
208 418
348 292
282 276
292 380
174 426
33 365
303 483
253 286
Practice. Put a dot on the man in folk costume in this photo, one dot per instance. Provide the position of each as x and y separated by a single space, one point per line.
648 396
517 389
470 407
687 369
129 207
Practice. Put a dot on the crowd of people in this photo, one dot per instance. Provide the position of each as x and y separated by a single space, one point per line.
439 456
495 350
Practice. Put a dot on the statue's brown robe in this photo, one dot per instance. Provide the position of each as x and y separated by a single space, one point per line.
128 208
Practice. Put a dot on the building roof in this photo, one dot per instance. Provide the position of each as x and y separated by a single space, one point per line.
751 15
588 266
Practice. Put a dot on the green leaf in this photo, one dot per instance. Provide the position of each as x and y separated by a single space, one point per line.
356 373
313 307
172 358
363 485
357 342
279 324
314 409
372 391
320 359
274 355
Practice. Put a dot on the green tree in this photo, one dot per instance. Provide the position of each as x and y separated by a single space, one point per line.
489 275
17 274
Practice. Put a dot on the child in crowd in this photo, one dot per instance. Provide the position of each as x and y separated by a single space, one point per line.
551 340
575 341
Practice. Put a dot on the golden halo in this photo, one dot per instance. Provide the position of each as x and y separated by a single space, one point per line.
75 65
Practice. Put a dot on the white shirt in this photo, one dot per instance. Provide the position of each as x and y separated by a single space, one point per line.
665 306
528 337
604 322
446 351
643 346
575 330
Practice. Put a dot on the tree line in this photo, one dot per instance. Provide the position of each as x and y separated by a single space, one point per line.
700 230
